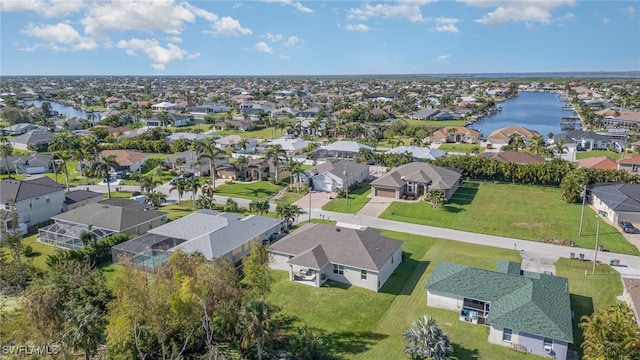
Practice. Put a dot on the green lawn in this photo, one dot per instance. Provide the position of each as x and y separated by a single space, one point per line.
596 153
519 211
288 198
259 190
358 198
463 148
439 124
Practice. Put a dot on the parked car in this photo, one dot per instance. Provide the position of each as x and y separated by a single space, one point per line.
628 227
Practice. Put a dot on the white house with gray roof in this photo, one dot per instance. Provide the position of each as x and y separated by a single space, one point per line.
332 175
316 253
207 232
418 153
341 149
36 200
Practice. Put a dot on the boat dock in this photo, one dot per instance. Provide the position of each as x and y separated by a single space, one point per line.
570 123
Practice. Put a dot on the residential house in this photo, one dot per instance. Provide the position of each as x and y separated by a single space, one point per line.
292 147
424 114
600 162
417 178
189 137
517 157
584 140
78 198
527 311
187 162
254 109
311 112
102 219
631 295
340 149
617 202
37 140
21 128
129 160
70 124
630 164
166 106
173 119
623 119
27 164
504 135
212 234
198 112
36 200
257 169
335 174
455 134
236 143
418 153
316 253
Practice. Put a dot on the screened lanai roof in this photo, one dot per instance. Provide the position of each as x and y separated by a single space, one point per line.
74 230
146 242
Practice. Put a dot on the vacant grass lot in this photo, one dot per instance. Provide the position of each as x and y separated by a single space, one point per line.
461 148
259 190
596 153
358 198
365 325
519 211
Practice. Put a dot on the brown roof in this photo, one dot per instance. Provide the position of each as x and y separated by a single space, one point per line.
630 160
600 162
507 132
444 132
513 157
125 157
438 177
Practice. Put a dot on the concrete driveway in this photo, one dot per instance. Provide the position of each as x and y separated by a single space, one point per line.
375 206
318 200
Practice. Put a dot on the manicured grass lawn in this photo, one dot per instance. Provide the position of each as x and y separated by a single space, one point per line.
588 293
288 198
519 211
358 198
40 251
439 124
460 148
259 190
596 153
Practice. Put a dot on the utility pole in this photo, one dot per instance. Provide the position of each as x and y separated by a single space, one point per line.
309 205
583 194
595 255
346 178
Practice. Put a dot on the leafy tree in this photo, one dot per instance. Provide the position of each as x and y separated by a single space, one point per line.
611 334
435 197
426 340
5 151
103 167
288 213
231 205
307 344
256 272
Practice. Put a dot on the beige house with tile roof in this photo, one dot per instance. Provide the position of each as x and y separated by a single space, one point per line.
127 159
503 136
416 178
455 134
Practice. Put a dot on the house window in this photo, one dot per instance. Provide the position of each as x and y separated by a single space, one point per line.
634 167
392 259
338 269
547 342
506 335
363 275
410 187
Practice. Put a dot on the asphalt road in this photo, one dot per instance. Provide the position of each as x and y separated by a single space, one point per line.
536 256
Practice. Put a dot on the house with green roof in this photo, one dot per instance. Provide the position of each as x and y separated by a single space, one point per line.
524 310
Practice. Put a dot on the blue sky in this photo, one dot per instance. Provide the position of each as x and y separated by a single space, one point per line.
287 37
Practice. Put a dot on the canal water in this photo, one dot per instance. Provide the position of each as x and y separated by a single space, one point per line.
539 111
62 109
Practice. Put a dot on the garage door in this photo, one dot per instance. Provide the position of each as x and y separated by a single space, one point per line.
35 170
389 193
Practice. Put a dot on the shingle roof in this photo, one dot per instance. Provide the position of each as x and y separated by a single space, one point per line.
338 168
109 217
534 303
438 177
33 137
363 249
16 190
506 133
418 152
619 197
79 195
348 146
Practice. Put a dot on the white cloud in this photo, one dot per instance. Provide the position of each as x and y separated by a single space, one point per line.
443 59
630 10
357 27
227 26
526 11
263 47
298 6
44 8
291 41
284 57
60 37
404 9
446 25
174 39
606 20
272 37
160 56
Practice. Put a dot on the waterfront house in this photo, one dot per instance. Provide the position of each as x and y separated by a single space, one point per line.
455 134
600 162
419 153
128 160
585 140
505 135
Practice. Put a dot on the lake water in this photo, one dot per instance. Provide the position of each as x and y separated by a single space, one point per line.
62 109
539 111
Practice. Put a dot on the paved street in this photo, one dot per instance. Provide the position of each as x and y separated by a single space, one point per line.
536 255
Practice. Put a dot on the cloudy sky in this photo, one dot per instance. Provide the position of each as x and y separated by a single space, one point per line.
287 37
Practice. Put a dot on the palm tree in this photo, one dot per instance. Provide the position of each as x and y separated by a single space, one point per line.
256 325
207 150
205 202
275 153
243 143
517 142
148 184
156 198
193 185
611 333
85 330
6 150
295 169
207 190
537 145
102 168
242 165
63 157
560 146
180 186
315 125
426 340
88 237
164 117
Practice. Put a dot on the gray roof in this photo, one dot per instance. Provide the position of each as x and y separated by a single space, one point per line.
338 168
318 244
126 203
575 135
346 146
33 137
31 160
619 197
437 177
80 195
109 217
16 190
214 234
534 303
422 153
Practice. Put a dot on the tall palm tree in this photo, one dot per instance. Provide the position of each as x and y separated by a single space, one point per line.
102 168
63 158
208 150
243 143
164 117
148 184
537 145
6 150
180 186
426 340
295 169
275 152
256 325
517 142
193 185
156 198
